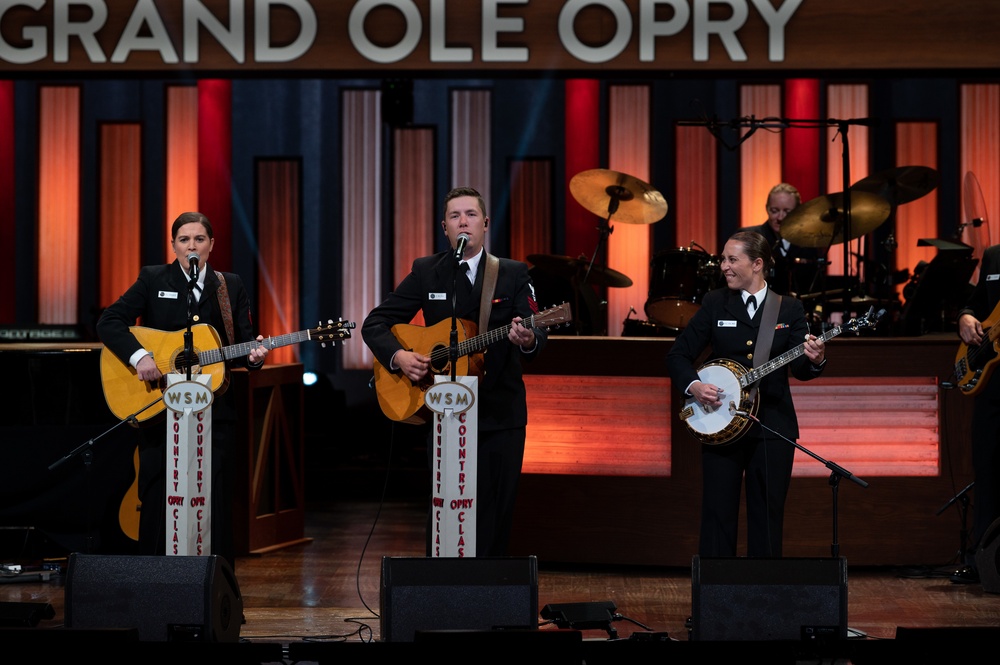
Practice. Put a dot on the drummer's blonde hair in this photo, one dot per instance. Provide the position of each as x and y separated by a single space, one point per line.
785 188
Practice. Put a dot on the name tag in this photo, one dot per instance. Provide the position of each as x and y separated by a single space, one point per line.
437 296
170 295
992 278
726 324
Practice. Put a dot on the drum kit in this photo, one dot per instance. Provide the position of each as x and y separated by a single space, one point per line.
680 277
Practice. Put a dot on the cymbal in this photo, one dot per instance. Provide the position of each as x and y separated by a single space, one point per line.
899 185
567 266
617 196
820 222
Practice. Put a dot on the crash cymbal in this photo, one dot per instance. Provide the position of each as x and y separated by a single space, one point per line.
567 266
820 222
899 185
618 197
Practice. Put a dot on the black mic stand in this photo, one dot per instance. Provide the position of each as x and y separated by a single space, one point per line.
188 335
836 473
962 499
86 452
453 342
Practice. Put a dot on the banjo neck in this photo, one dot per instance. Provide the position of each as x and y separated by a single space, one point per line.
758 373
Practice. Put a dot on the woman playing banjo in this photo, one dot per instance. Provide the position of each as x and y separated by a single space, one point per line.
729 322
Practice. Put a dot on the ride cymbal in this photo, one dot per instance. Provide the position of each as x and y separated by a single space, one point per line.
820 222
617 196
899 185
567 266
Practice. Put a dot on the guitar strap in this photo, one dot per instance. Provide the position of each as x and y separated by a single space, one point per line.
489 287
765 334
226 306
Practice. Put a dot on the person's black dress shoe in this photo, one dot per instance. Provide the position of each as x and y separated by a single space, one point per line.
965 575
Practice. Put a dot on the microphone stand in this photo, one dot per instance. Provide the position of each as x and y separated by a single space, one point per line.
188 335
86 452
453 341
962 499
836 473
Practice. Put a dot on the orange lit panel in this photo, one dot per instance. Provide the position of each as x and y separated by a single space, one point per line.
871 426
601 426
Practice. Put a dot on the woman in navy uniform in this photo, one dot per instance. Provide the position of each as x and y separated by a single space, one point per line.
763 459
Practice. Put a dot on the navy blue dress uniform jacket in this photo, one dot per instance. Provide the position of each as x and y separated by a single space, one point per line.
429 286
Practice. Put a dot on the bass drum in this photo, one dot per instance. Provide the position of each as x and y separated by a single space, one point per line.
679 279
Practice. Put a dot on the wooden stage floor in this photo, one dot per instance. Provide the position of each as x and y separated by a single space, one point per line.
304 602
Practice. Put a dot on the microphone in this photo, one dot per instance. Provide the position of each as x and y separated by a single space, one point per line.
463 240
193 265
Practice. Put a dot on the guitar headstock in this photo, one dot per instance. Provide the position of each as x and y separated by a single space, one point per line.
554 316
868 320
332 331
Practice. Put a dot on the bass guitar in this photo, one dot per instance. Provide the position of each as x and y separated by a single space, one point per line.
724 424
974 364
127 397
402 400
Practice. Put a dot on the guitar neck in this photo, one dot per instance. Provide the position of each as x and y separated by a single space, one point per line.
480 342
758 373
242 349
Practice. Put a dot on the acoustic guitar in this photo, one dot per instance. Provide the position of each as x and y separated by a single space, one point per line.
127 397
727 423
402 400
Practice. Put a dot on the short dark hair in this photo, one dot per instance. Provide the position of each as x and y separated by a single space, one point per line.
465 191
756 247
189 218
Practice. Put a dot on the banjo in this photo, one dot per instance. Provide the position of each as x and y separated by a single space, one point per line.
715 425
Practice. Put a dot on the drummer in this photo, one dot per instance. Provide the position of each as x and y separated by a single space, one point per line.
796 269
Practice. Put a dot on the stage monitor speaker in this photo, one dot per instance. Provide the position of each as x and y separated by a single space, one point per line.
988 558
166 598
748 599
486 593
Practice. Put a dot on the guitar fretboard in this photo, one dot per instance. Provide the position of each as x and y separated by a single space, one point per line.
244 348
474 344
758 373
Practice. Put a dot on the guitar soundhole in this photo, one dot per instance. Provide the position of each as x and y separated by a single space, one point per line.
182 361
440 360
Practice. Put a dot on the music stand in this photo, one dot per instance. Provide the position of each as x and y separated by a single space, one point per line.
941 288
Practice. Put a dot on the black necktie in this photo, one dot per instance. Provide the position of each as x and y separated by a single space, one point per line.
751 306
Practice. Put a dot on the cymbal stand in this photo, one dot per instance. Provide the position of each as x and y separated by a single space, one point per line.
616 195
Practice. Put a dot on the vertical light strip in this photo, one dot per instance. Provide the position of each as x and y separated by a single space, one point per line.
361 180
215 165
530 208
8 203
629 244
843 102
182 157
582 145
979 148
470 144
696 210
760 154
278 222
415 219
120 211
916 144
58 203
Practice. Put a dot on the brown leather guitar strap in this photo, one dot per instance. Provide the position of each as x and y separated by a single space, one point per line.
489 287
226 306
765 335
